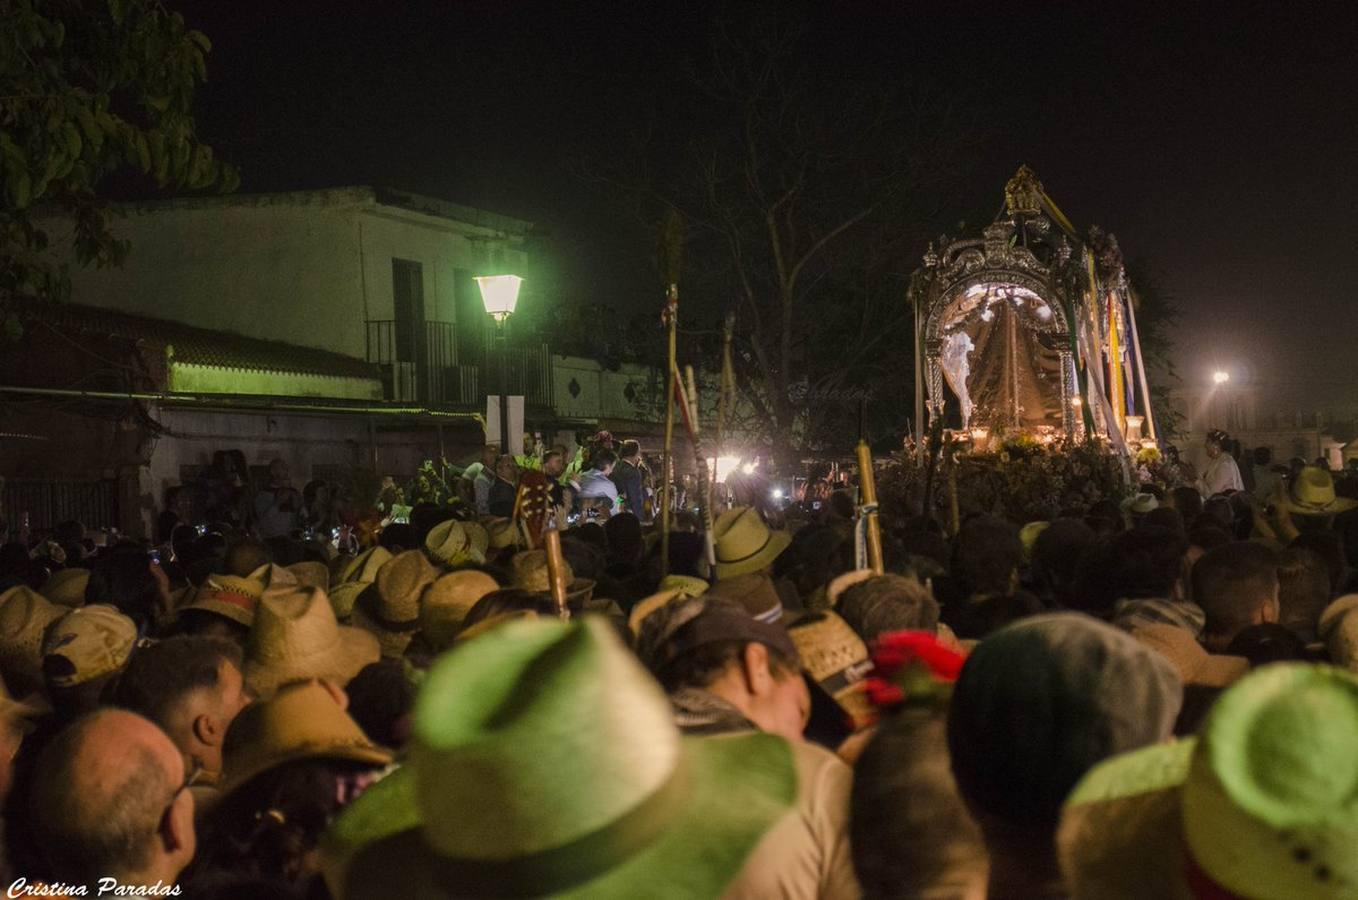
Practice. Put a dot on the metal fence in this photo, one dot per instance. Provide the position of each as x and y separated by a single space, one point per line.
439 378
93 503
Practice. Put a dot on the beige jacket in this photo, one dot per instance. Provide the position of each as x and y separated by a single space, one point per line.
806 853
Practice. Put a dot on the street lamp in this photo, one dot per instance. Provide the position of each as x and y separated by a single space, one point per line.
1220 377
500 295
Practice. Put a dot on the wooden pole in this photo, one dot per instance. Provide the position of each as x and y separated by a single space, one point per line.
556 573
704 476
671 251
867 496
667 470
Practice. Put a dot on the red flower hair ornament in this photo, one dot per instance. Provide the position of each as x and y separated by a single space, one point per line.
911 669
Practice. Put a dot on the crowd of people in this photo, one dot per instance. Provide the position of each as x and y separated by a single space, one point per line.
1153 698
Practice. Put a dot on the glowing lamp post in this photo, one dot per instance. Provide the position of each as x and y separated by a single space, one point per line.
500 295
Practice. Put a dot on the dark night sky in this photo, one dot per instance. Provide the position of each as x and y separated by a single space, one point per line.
1218 142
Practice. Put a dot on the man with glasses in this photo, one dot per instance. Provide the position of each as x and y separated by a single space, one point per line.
110 799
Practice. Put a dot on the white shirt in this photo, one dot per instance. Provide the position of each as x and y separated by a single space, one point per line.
595 484
1221 474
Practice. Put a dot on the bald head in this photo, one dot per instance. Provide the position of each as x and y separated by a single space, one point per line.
106 799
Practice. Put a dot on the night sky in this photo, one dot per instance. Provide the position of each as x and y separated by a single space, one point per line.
1218 142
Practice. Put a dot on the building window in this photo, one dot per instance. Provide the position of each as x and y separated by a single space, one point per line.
407 292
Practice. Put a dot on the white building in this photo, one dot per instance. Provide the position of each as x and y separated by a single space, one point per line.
336 329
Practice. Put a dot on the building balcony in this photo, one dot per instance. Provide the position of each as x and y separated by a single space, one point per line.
425 364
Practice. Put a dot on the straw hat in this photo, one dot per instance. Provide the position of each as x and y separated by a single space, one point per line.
1263 805
24 617
687 585
364 566
500 532
453 543
1194 664
230 596
580 782
310 573
446 602
67 586
86 644
1029 534
841 583
1339 629
479 537
301 721
1312 494
648 605
1140 504
836 659
528 572
390 608
296 637
754 592
744 543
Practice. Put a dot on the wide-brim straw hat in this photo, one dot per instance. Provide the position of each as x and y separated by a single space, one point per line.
688 585
364 566
296 637
446 602
24 618
647 605
501 532
1338 628
835 657
528 572
1140 504
67 587
1312 494
744 543
755 592
1264 804
479 537
545 762
453 543
230 596
96 640
1193 663
390 607
311 573
300 721
344 598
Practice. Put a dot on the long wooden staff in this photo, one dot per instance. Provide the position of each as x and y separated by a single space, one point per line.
704 477
556 572
671 249
934 449
867 499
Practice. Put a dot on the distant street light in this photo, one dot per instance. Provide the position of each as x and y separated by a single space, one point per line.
1220 377
500 295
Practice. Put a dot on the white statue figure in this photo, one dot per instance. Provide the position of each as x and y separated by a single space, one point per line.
957 366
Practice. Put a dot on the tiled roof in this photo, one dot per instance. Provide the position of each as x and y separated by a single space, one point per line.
193 346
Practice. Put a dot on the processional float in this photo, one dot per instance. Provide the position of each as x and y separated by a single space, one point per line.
1029 329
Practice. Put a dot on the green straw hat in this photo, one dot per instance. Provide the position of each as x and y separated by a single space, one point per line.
545 762
1264 805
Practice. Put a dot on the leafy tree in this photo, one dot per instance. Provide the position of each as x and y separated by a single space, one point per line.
91 90
808 199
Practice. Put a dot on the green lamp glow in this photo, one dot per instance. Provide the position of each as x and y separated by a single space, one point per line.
500 294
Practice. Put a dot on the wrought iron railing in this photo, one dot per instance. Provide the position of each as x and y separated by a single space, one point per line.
48 503
430 371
